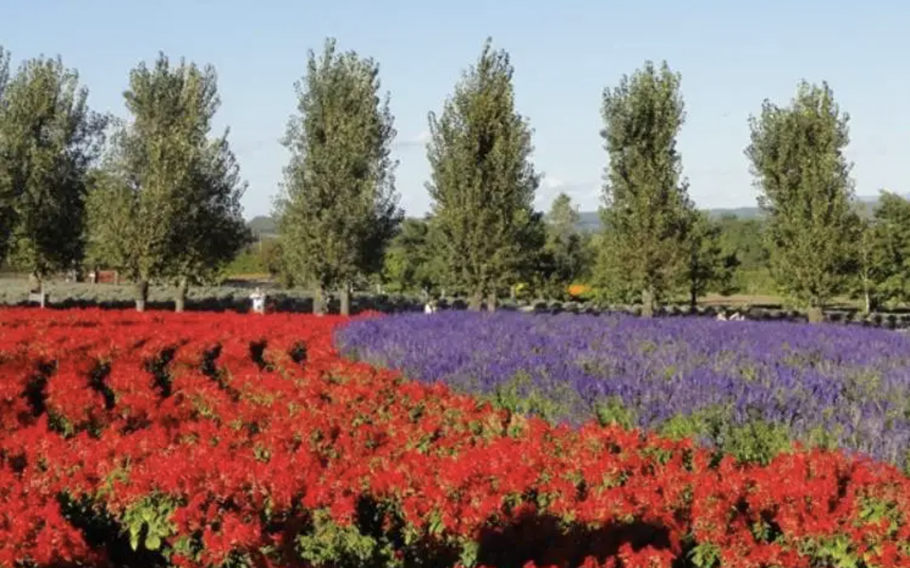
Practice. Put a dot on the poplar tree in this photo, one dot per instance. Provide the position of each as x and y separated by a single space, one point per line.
806 192
645 198
338 208
482 182
165 205
49 138
6 187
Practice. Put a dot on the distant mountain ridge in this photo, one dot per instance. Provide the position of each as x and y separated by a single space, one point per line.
589 221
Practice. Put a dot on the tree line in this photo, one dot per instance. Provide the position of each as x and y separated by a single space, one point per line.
157 196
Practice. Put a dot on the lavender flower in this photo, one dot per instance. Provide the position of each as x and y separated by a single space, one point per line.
828 385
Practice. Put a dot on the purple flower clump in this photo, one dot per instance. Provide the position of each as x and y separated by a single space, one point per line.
843 386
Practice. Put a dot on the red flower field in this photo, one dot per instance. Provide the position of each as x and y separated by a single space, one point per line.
236 440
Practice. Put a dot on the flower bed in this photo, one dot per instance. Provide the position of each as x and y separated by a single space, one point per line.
748 387
225 440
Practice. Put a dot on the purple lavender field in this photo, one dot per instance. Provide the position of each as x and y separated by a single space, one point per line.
747 387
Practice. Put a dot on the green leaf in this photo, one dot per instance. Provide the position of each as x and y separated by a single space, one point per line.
152 541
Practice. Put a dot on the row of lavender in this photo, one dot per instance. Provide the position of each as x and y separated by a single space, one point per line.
749 387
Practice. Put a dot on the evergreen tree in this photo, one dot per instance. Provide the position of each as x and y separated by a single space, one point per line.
164 205
338 207
49 138
482 182
797 158
645 201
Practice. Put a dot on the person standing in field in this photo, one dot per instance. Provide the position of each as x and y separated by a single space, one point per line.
258 298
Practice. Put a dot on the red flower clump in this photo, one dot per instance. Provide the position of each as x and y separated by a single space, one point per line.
231 440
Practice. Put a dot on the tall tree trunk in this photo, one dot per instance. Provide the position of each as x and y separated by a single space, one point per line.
693 296
866 294
816 314
647 302
319 301
491 301
183 285
476 301
346 299
512 294
142 295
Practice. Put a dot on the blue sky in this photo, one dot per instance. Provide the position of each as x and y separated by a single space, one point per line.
731 55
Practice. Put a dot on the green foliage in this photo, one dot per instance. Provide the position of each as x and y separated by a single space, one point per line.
49 138
708 267
210 231
412 262
757 441
743 237
7 191
565 257
612 412
249 261
754 441
261 257
520 396
882 253
148 522
743 240
482 181
705 555
330 544
797 157
835 551
338 207
645 201
166 202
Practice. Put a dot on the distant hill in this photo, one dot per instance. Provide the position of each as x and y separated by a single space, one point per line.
590 220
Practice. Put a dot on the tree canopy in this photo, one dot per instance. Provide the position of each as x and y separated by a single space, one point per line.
806 191
646 201
338 208
166 203
49 138
482 182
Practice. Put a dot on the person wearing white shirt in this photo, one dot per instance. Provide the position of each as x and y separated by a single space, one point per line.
258 299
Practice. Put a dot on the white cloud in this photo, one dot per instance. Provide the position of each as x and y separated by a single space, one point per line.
552 183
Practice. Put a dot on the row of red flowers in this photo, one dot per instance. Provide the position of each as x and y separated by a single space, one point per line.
229 440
